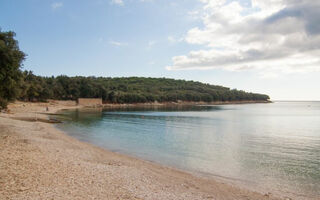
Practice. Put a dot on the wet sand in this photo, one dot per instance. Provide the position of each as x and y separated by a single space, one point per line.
37 161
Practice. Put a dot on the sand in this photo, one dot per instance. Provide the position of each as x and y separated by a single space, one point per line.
37 161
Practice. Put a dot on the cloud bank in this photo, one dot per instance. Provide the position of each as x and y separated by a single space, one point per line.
271 36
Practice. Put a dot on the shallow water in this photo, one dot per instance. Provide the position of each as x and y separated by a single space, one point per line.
266 147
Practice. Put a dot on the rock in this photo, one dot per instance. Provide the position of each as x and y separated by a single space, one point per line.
23 188
267 194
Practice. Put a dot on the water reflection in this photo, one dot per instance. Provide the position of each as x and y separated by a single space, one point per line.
83 117
168 108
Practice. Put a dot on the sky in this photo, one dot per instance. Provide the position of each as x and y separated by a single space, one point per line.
264 46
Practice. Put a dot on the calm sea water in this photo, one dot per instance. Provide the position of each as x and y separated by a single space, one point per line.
266 147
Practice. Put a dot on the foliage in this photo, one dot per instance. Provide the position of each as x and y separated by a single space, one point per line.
10 62
128 90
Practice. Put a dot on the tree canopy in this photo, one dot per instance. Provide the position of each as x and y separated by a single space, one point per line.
128 90
10 62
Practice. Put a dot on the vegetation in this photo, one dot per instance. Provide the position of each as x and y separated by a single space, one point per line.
10 62
127 90
26 86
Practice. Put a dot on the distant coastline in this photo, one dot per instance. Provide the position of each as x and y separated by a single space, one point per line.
180 103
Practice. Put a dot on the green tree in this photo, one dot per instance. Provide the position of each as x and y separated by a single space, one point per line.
10 63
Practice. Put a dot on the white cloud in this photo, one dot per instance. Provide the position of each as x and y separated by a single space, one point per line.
151 43
121 2
56 5
173 39
194 14
117 2
119 44
280 36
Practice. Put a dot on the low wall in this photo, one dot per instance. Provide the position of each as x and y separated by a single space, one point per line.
89 101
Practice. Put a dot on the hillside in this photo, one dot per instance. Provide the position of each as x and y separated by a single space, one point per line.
128 90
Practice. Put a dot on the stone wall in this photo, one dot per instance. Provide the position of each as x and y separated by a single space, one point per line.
90 101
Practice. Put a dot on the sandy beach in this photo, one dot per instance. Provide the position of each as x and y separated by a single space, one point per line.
37 161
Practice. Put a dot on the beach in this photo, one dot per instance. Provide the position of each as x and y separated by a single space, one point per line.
38 161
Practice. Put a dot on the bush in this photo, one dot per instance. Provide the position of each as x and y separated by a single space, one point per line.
3 103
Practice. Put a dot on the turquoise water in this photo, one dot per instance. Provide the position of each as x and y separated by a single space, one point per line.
265 147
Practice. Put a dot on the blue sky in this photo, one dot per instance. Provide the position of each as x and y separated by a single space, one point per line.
185 39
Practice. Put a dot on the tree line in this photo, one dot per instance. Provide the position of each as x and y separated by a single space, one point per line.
26 86
127 89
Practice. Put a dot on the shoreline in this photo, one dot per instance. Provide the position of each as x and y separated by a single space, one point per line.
81 170
180 103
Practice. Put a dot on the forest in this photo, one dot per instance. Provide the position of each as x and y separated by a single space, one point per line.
126 89
16 84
